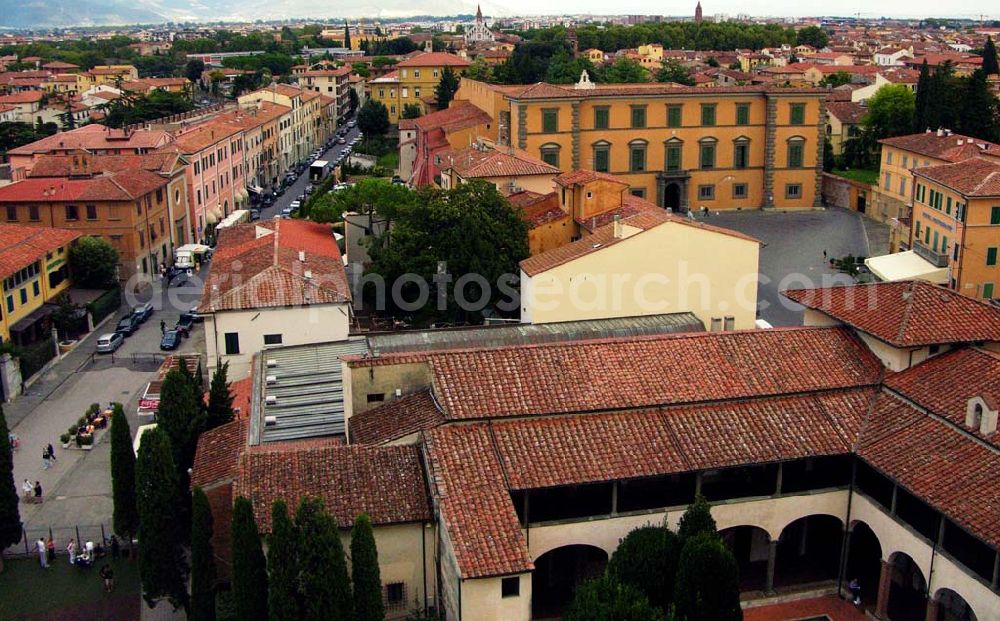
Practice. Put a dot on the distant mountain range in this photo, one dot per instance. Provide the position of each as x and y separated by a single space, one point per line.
69 13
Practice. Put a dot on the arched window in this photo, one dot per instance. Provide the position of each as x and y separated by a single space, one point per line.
977 415
795 157
706 157
741 152
602 156
673 157
550 153
637 156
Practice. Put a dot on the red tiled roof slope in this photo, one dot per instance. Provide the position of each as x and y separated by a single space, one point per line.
386 482
976 176
905 313
20 245
933 145
217 456
612 374
396 419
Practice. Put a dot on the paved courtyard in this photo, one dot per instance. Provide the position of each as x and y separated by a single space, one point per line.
77 488
792 256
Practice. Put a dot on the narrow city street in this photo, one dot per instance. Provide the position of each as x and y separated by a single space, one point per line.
77 487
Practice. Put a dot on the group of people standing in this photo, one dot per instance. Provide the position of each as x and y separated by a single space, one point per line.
84 556
32 493
48 457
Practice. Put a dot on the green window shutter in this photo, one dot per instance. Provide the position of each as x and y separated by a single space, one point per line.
742 114
550 121
638 118
673 116
995 214
601 118
708 115
673 158
638 159
707 156
795 155
991 256
601 159
798 114
988 291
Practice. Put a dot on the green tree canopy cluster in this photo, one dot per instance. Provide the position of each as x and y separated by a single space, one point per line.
656 574
94 262
373 118
14 134
139 108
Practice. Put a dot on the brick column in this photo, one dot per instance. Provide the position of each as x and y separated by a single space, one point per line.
772 552
576 134
820 144
522 127
932 610
884 581
770 126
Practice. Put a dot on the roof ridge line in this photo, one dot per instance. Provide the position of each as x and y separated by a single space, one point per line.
672 434
947 422
905 321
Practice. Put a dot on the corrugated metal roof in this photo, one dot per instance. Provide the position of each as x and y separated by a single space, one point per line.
520 334
307 390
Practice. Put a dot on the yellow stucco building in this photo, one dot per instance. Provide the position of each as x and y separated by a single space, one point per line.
679 147
414 82
34 265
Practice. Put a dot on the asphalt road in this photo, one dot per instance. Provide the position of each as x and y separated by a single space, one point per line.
293 191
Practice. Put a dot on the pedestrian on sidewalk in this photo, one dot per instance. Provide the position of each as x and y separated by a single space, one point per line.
163 327
109 578
38 492
42 559
115 548
71 550
50 547
28 489
45 458
52 453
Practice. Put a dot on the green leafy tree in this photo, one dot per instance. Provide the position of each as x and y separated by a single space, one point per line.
325 587
381 200
445 90
373 118
479 70
362 70
697 519
10 514
161 566
836 79
647 560
202 559
471 228
282 565
220 399
606 599
890 113
94 262
140 108
624 71
990 64
368 605
249 567
193 70
16 134
564 69
673 71
712 61
814 36
123 492
708 582
411 111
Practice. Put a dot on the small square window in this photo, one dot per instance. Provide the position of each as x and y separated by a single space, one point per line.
376 397
797 114
395 595
793 190
232 343
708 115
510 587
639 192
272 339
740 190
638 117
601 118
706 192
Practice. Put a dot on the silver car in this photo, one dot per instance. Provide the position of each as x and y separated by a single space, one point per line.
108 343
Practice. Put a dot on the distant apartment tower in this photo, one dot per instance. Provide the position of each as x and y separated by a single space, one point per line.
697 13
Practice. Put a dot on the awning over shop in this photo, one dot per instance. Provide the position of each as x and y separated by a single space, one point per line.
242 195
906 266
255 189
26 322
213 215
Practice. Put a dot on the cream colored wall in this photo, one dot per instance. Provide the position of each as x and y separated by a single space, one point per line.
360 380
482 600
893 537
812 317
707 273
535 183
297 326
405 554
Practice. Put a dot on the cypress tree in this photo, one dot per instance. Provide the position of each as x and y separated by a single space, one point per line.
708 582
220 400
445 90
10 514
202 559
161 564
282 565
249 568
177 416
921 115
126 513
365 575
978 112
605 599
990 64
347 35
697 519
324 584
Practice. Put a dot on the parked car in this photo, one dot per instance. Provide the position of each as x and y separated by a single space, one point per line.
171 340
285 213
127 325
352 123
255 214
184 323
142 311
341 140
108 343
294 206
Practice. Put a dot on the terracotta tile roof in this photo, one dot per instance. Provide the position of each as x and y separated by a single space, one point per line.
543 90
396 419
976 176
434 59
63 165
203 135
847 111
146 84
905 313
583 177
459 116
386 482
937 463
475 508
476 162
265 255
126 185
93 138
407 124
22 98
933 145
944 384
21 245
612 374
603 237
217 457
538 209
631 206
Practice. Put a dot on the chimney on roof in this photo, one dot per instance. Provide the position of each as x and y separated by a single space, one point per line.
302 256
619 231
981 414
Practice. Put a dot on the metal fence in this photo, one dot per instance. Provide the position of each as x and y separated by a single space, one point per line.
100 534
